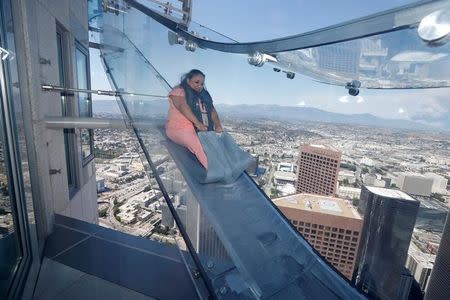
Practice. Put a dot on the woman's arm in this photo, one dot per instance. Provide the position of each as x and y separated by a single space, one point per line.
181 104
216 120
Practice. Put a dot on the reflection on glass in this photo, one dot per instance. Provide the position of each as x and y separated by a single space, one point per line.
86 142
84 101
397 59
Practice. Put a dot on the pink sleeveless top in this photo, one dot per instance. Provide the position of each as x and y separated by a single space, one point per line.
175 119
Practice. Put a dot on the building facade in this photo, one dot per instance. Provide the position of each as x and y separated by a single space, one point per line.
318 169
331 225
439 183
439 282
415 184
389 218
420 265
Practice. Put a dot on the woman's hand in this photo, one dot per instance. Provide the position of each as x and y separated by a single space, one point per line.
219 129
200 126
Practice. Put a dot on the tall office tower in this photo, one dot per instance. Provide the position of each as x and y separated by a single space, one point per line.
389 218
318 168
331 225
201 232
438 286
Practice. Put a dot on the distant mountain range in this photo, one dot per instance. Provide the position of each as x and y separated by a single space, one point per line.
274 112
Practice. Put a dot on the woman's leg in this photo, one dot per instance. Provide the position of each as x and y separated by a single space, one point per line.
189 139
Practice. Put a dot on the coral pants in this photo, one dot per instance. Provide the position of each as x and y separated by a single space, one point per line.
188 138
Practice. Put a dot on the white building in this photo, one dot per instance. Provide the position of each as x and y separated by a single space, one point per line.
439 183
349 192
369 179
415 184
366 161
347 174
285 167
145 198
420 264
127 217
287 189
281 177
144 215
100 184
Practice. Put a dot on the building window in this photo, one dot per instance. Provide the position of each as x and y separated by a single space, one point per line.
84 102
66 110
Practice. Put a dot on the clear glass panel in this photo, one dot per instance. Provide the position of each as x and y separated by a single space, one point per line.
272 20
382 137
399 59
249 262
84 101
10 251
10 246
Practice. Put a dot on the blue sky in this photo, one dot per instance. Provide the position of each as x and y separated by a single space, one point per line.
232 80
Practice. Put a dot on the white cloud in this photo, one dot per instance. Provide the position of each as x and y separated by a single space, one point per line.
344 99
401 111
301 103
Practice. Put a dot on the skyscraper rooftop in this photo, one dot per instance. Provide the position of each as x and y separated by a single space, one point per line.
390 193
319 204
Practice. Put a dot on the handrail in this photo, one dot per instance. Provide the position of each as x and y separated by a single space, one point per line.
56 88
378 23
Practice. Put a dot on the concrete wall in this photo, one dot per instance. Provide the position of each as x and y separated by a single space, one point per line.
36 23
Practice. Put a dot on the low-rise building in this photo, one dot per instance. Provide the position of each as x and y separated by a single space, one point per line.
439 183
281 177
347 175
348 192
100 184
415 184
420 265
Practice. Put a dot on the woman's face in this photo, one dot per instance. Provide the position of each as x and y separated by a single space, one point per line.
197 82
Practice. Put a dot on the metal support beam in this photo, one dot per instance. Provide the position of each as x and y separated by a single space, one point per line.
55 88
93 123
88 123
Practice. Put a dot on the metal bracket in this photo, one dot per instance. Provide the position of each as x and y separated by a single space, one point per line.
112 7
44 61
54 171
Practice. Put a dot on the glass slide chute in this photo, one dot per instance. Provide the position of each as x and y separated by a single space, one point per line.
245 247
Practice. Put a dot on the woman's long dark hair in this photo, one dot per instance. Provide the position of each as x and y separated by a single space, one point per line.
192 97
188 76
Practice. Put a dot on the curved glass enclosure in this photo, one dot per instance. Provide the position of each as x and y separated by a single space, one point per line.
237 239
387 54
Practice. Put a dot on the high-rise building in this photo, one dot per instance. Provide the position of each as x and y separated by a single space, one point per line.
318 169
389 218
331 225
438 285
